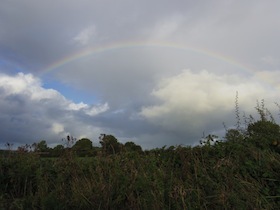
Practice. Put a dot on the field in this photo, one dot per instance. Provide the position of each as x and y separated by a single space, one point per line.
228 175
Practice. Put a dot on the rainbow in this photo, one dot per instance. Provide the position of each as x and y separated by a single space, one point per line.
91 51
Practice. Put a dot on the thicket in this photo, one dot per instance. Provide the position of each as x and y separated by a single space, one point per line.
242 171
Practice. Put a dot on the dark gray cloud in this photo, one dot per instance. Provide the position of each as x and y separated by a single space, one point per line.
141 92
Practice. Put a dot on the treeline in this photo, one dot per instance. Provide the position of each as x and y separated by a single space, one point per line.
82 148
242 171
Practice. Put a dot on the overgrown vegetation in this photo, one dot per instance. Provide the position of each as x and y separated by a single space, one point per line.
240 172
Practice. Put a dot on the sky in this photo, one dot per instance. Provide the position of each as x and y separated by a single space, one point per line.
152 72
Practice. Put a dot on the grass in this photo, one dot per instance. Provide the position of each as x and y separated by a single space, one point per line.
224 176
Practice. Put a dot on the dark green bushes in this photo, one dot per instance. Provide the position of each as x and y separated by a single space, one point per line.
227 175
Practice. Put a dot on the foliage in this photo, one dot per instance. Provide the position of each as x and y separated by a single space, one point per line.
41 146
83 147
234 135
110 144
263 133
131 146
57 150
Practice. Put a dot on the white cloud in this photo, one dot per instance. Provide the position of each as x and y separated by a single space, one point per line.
86 35
27 85
95 110
29 112
77 107
192 101
57 128
18 84
89 110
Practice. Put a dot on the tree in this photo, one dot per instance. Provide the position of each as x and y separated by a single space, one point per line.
110 144
263 133
57 150
131 146
42 146
234 135
83 147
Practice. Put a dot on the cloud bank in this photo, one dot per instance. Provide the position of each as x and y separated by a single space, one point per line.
183 107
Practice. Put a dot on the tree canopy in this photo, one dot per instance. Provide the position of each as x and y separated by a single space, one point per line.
83 147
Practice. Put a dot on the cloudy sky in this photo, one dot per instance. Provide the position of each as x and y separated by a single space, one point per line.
153 72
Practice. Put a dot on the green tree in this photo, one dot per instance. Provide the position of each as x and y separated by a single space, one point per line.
131 146
83 147
42 146
263 133
57 150
110 144
234 135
